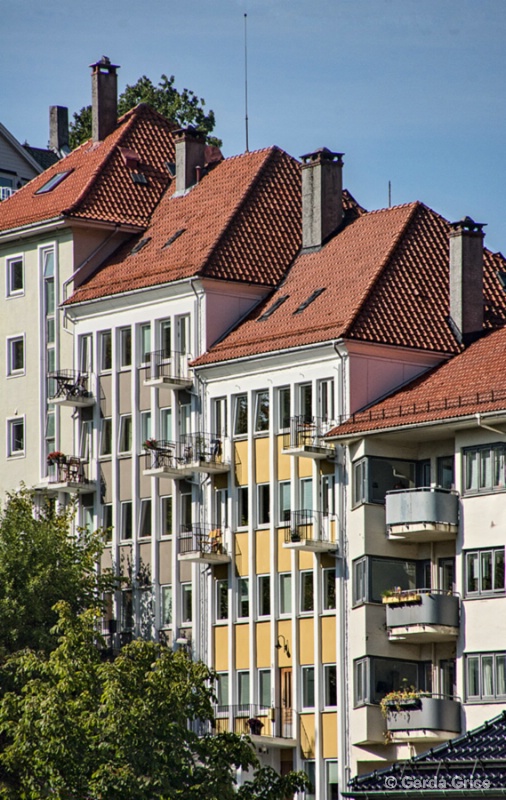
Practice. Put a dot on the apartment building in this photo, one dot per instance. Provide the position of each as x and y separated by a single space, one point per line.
426 538
202 325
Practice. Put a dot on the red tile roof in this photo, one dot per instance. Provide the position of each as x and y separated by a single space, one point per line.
100 186
386 279
240 223
470 383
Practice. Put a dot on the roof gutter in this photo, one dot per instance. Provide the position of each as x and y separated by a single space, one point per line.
487 427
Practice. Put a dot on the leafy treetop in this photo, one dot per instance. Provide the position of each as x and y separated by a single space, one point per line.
184 108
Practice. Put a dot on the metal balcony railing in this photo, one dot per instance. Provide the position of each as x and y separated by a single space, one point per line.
68 385
308 525
203 539
307 433
69 470
194 451
255 720
169 365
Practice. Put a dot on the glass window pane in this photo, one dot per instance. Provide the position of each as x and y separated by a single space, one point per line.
243 690
106 437
486 571
284 502
242 492
50 296
243 597
500 680
145 343
471 471
329 589
306 595
264 516
264 595
308 693
262 412
487 675
386 574
499 569
222 691
222 599
330 685
500 466
473 676
284 407
241 415
264 688
306 494
106 351
126 347
472 571
285 593
186 609
166 605
145 519
485 469
167 515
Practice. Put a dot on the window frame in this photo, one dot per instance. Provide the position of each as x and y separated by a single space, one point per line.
145 518
107 521
243 683
106 437
125 436
126 517
222 692
303 575
282 611
12 341
283 392
105 351
242 495
328 690
241 412
284 511
264 600
262 413
12 423
243 599
145 354
480 592
262 674
308 687
493 449
125 333
166 591
10 262
263 504
222 612
327 573
481 697
186 592
164 501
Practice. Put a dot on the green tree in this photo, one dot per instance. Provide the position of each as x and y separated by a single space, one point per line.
41 562
184 108
75 726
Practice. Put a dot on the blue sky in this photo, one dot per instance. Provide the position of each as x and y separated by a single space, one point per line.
413 92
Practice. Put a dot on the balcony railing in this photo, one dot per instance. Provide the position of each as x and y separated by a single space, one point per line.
255 720
68 473
311 530
422 615
197 452
428 717
169 369
69 387
423 514
306 437
206 544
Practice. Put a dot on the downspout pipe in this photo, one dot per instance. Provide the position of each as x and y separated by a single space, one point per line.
488 427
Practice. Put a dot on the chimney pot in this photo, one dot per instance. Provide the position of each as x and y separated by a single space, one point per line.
466 278
322 202
190 154
59 130
104 97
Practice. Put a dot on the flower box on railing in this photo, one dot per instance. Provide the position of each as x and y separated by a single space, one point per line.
399 596
56 458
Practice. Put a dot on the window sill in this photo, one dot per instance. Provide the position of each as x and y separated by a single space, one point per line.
221 623
482 492
16 374
486 596
21 454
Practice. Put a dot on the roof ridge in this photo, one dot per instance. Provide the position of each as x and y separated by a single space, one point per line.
379 272
269 153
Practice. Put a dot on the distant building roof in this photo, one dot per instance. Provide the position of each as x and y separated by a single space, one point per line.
473 764
46 158
240 223
386 280
99 185
471 383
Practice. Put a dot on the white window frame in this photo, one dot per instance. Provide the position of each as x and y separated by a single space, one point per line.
186 590
305 673
242 492
105 351
281 392
243 581
13 422
241 401
243 686
107 524
146 426
261 580
125 447
495 695
145 520
124 519
11 342
264 674
222 692
262 506
166 424
125 334
164 501
222 585
9 264
166 593
326 573
85 439
145 354
106 441
306 573
283 612
326 685
284 513
262 401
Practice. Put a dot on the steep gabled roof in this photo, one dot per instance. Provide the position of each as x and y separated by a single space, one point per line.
240 223
471 764
472 382
99 186
386 280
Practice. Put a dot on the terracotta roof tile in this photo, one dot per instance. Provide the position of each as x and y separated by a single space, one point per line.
100 186
240 223
387 281
471 382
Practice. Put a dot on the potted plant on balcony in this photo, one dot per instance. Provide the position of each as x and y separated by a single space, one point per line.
404 699
150 444
56 457
398 595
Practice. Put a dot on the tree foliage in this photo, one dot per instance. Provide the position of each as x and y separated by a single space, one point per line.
75 726
184 108
42 562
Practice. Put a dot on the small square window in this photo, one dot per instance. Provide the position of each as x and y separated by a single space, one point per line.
15 276
15 437
16 355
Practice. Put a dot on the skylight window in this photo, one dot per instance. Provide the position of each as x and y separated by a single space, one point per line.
308 302
137 247
173 238
53 182
139 177
279 302
171 168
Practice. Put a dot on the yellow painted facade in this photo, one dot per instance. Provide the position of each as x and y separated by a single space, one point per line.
262 460
241 463
306 640
328 639
241 553
263 555
307 735
329 734
242 646
285 629
284 554
283 461
263 644
221 647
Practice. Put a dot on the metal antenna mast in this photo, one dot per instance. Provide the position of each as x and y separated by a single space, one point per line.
246 77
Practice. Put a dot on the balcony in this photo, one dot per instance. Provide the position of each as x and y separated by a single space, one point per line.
429 717
195 452
6 192
204 544
306 438
168 370
69 387
311 530
422 615
422 515
68 474
271 727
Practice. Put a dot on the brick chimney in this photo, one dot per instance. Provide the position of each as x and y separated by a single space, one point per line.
59 130
322 203
104 98
190 152
466 278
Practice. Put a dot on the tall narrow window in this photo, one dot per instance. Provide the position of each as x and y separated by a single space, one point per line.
222 599
243 690
126 520
145 519
183 325
285 593
85 354
166 515
263 504
166 610
220 416
107 521
186 603
85 439
243 508
306 402
125 434
106 437
145 426
264 688
165 339
328 495
264 595
15 276
145 343
284 502
306 592
306 494
284 407
308 687
166 424
127 615
243 597
185 499
262 412
222 692
105 351
326 400
50 432
329 589
241 415
16 437
125 339
330 684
